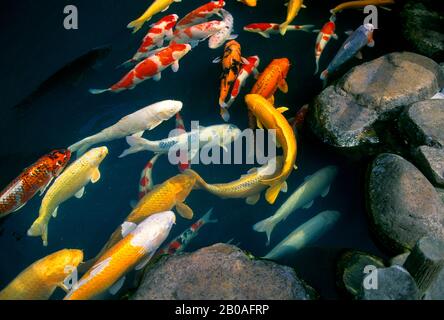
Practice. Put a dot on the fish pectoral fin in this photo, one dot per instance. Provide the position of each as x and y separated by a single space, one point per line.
175 66
271 100
272 193
43 189
138 134
127 227
167 7
308 205
145 261
217 60
19 207
155 124
282 109
264 34
359 55
95 175
303 6
80 193
283 86
335 36
117 286
325 192
252 170
252 200
259 124
157 77
54 213
284 187
133 203
184 210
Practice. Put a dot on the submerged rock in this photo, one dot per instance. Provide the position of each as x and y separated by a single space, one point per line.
346 114
422 23
351 269
403 204
220 272
393 283
423 123
431 161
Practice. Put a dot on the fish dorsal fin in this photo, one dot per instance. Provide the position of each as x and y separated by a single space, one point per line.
252 200
184 210
95 175
308 205
359 55
117 286
282 109
144 261
252 170
138 134
54 213
79 194
127 227
283 86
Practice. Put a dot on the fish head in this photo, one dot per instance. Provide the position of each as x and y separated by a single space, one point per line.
170 21
167 109
59 265
228 133
152 231
368 29
182 184
179 50
58 160
254 60
95 156
284 65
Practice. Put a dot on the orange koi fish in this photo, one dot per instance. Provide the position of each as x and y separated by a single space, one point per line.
35 178
271 79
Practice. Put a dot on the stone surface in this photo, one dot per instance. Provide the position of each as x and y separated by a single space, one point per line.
399 259
422 25
394 283
350 270
423 123
431 161
403 204
220 272
436 291
346 114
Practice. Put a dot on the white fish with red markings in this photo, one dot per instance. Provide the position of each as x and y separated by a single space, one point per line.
248 68
150 68
161 30
201 14
197 33
225 34
266 29
325 34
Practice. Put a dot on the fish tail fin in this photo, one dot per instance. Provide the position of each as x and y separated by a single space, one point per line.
225 114
283 28
98 91
136 144
307 27
136 25
267 226
39 228
207 217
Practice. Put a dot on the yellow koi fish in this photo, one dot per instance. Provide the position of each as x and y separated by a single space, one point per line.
156 7
164 197
70 183
40 279
360 4
292 11
132 252
272 119
249 186
250 3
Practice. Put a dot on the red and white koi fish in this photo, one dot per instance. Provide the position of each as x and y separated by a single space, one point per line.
149 68
266 29
200 14
249 67
225 34
200 32
146 177
155 37
325 34
179 243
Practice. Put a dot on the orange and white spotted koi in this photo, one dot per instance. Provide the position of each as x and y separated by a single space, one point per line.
150 68
197 33
325 34
155 37
200 14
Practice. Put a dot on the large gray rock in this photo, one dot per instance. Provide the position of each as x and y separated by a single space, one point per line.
403 204
436 291
423 27
220 272
351 269
423 123
394 283
431 161
345 114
